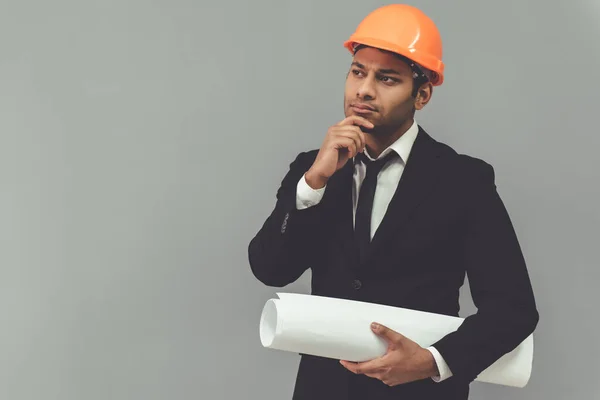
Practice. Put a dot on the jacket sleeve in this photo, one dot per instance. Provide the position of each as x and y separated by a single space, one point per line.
282 249
499 283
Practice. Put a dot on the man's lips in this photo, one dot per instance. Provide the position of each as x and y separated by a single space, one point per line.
362 107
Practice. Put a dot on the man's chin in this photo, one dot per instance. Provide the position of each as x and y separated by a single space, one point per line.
373 131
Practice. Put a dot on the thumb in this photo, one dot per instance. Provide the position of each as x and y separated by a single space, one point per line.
386 333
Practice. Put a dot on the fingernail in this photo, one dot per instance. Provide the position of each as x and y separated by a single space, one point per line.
374 326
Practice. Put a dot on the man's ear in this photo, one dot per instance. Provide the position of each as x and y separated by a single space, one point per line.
423 95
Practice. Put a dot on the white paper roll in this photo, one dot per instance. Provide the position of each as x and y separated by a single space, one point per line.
340 329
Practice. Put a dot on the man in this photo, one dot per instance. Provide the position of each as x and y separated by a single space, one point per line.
383 213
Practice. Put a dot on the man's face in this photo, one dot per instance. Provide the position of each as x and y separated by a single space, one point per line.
379 88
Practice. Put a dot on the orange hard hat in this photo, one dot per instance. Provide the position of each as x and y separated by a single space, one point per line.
404 30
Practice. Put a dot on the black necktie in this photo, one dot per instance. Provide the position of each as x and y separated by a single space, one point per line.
362 219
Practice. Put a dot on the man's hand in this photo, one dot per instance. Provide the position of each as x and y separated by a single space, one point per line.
405 361
342 142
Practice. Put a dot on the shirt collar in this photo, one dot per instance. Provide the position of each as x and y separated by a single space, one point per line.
402 146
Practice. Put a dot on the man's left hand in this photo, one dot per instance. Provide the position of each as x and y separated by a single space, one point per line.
405 361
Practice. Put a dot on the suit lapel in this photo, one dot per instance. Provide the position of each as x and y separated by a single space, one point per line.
419 177
340 201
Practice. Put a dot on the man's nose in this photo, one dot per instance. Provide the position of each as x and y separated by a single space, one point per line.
366 90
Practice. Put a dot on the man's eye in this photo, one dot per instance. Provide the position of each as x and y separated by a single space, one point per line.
356 72
387 79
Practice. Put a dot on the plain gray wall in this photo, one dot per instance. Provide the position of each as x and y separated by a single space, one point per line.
142 144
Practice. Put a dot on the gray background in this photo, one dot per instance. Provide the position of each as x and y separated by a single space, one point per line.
133 174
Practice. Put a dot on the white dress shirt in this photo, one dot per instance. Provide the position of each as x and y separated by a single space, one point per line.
387 181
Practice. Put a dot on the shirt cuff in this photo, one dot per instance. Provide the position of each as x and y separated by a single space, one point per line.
306 196
443 368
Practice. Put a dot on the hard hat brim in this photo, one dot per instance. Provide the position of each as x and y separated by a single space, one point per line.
432 64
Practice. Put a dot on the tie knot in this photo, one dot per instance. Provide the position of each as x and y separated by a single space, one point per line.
374 166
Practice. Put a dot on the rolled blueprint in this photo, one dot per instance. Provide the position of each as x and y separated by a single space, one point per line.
340 329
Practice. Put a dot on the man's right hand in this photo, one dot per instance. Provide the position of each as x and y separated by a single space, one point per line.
342 142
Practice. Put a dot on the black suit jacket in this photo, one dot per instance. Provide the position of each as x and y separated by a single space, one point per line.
444 220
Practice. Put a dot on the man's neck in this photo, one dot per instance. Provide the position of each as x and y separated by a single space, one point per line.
379 141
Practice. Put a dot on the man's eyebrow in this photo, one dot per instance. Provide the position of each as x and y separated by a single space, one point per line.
387 71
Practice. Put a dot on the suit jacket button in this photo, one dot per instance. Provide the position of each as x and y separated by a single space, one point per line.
284 225
357 284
